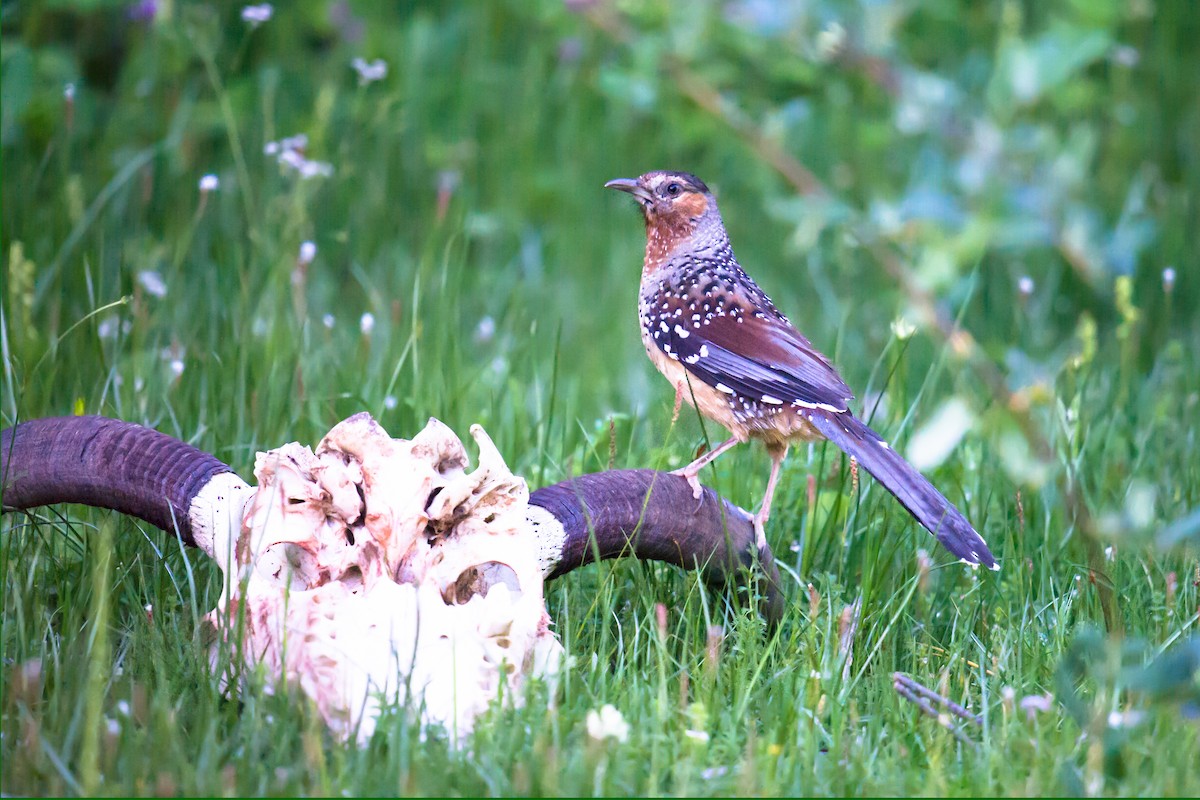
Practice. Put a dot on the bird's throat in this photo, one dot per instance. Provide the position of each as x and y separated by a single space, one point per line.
664 237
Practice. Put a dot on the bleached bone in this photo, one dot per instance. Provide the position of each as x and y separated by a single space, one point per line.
376 571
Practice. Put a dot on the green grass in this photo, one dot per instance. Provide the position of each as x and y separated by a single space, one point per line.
1089 441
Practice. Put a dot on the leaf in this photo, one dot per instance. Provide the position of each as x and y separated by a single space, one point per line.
1027 70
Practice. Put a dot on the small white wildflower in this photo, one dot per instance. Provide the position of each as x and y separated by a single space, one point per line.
696 736
292 158
123 705
1124 720
1034 704
328 321
607 723
1126 55
1024 75
315 169
112 726
911 117
389 402
1168 279
902 329
831 41
138 385
258 14
366 323
295 160
713 772
1109 553
210 183
888 216
297 142
369 71
152 282
107 329
485 330
308 251
176 367
1025 285
289 144
69 92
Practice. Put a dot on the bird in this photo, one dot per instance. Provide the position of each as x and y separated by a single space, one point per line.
727 350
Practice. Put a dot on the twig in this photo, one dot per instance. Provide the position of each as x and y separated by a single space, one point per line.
920 696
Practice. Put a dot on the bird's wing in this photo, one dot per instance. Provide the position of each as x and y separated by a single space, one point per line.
753 355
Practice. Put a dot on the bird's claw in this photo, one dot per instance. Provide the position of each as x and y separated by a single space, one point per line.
760 532
693 481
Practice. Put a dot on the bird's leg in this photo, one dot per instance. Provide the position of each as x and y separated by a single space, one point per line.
760 519
693 469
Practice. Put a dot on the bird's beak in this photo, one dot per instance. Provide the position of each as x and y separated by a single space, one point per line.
632 186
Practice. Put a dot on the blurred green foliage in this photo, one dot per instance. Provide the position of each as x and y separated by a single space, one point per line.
1032 167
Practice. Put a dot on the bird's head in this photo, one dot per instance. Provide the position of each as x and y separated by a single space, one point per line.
679 210
674 201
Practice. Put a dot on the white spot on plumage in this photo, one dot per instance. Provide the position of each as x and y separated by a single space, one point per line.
822 406
723 388
775 401
681 332
704 351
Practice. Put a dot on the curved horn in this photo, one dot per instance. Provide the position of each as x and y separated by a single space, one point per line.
138 471
105 463
653 515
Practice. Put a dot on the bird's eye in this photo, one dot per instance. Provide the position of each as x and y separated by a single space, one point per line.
673 189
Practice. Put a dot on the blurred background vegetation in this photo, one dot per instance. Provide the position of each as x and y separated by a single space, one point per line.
984 212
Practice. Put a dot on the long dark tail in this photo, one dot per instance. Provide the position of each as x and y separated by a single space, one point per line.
910 487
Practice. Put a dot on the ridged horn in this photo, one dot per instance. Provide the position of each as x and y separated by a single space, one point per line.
105 463
653 515
139 471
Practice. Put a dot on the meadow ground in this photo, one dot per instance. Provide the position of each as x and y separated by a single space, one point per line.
983 212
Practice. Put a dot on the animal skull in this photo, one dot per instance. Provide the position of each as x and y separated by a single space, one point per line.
379 571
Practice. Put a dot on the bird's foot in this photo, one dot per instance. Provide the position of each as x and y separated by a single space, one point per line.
693 481
760 531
